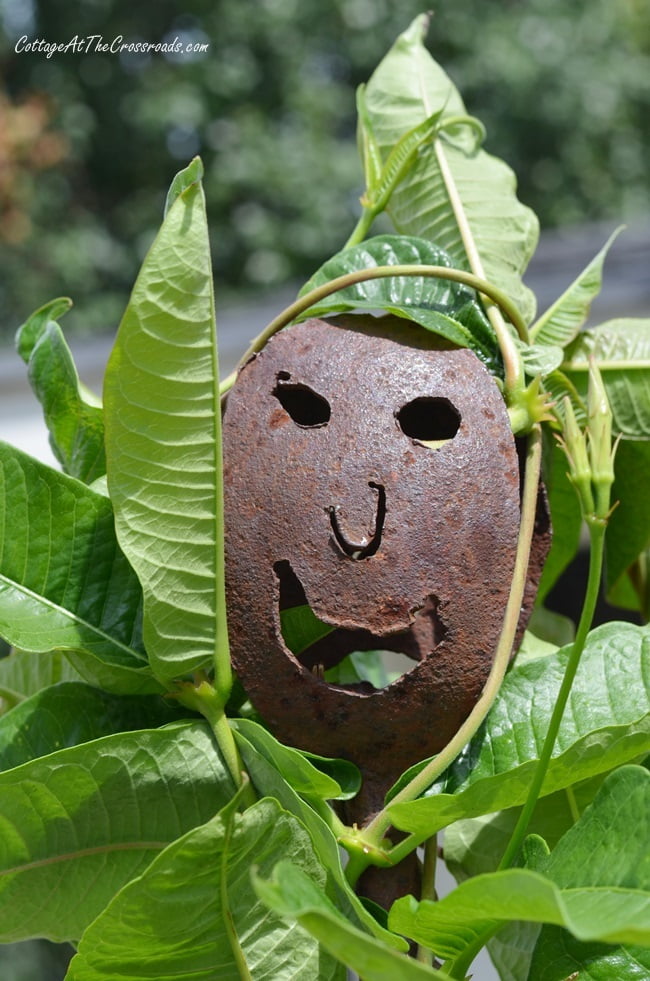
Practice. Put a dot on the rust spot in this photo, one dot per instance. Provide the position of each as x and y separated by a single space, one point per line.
278 418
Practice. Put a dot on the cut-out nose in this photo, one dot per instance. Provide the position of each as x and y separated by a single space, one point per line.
356 544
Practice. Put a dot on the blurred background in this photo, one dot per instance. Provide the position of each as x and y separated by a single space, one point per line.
89 143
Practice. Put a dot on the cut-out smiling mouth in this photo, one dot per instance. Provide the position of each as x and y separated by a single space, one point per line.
333 653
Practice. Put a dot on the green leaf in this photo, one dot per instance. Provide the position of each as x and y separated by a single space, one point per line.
407 88
368 149
566 517
291 893
628 532
595 882
296 767
400 160
607 724
194 914
163 443
560 324
622 351
608 847
559 386
80 823
476 845
532 647
64 584
268 781
301 628
551 627
539 359
23 673
71 713
29 333
560 957
360 666
73 417
583 856
632 590
483 903
441 306
192 174
346 774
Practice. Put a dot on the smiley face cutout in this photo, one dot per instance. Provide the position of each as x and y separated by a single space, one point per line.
372 475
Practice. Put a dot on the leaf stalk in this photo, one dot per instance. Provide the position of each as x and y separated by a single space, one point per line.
201 696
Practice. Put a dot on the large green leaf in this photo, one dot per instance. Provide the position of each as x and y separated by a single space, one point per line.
23 673
73 417
407 88
608 847
561 957
297 768
607 723
560 324
163 442
475 846
448 926
194 911
268 781
293 894
64 583
71 713
595 883
81 822
622 350
628 532
441 306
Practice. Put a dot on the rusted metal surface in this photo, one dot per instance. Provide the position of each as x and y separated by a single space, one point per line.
333 498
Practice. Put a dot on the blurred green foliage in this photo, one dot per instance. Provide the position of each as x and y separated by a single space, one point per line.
89 142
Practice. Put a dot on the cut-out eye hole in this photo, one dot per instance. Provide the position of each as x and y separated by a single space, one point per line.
305 406
431 421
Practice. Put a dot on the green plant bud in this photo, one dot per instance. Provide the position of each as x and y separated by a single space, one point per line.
575 447
601 453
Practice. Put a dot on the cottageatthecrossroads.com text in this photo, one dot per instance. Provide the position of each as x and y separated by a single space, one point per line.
95 44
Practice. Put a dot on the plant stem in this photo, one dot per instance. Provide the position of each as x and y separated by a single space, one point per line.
573 804
428 891
202 697
597 541
228 747
221 651
511 358
229 925
361 228
374 833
